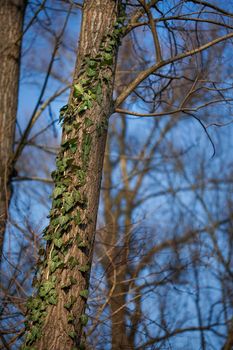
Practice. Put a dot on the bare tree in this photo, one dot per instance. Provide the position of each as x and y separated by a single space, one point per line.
11 17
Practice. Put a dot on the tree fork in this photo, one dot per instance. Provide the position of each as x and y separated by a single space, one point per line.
11 19
56 313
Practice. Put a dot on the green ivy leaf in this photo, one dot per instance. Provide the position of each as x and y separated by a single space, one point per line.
78 197
70 318
81 176
84 293
64 108
72 262
57 234
35 333
73 146
73 280
99 96
84 268
56 264
86 147
68 128
87 102
56 203
84 319
67 180
63 219
70 283
65 144
58 191
82 108
112 42
72 334
52 299
35 315
84 81
77 218
82 244
46 287
66 246
68 202
64 163
108 58
70 144
58 242
108 49
78 90
63 112
34 303
77 125
48 237
70 303
66 286
92 63
107 77
91 72
54 222
88 122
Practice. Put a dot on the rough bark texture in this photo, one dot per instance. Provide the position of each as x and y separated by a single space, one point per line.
11 21
61 326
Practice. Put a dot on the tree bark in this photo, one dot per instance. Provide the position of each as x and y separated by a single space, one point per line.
56 315
11 22
116 276
229 341
115 262
117 304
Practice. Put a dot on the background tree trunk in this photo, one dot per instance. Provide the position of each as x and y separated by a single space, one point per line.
11 19
115 261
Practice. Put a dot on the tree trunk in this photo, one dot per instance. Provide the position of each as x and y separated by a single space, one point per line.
117 304
116 278
11 21
115 262
56 315
229 341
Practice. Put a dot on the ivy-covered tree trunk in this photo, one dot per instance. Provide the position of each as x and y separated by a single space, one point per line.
56 313
11 21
